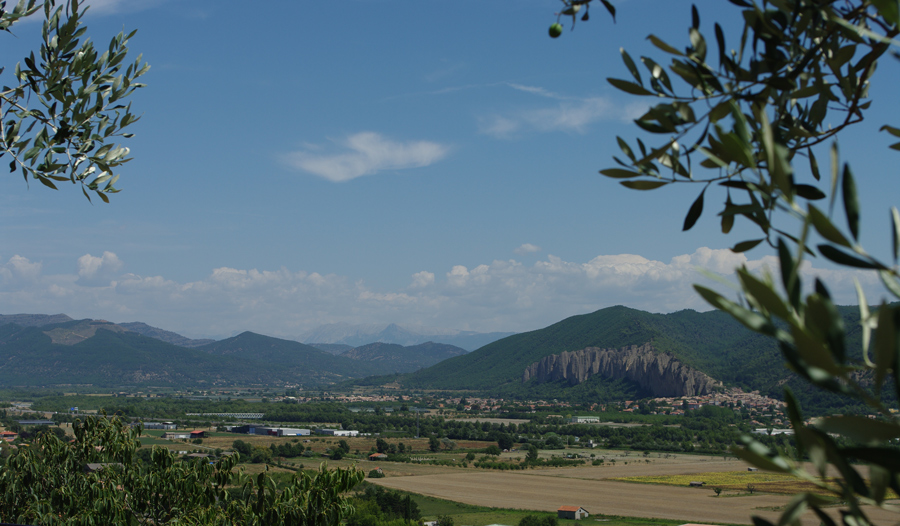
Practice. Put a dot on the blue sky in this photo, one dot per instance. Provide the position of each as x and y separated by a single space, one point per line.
377 161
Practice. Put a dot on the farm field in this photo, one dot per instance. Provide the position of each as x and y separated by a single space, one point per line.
547 489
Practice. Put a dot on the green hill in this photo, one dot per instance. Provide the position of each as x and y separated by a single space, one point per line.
301 360
30 358
710 341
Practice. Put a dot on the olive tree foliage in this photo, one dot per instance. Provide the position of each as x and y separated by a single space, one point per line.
745 116
48 483
63 110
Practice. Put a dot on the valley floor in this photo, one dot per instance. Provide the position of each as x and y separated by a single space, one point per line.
548 489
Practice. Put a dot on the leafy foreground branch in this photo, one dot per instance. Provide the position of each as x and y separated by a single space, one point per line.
66 106
51 483
747 122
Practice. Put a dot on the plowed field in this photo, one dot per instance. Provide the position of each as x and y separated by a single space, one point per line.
548 489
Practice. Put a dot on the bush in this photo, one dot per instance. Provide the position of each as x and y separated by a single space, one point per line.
376 474
534 520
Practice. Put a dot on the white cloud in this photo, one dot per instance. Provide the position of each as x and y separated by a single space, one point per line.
20 268
422 279
527 248
98 270
495 296
367 153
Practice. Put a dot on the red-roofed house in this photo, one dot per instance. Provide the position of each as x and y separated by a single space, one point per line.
378 456
9 436
571 512
198 433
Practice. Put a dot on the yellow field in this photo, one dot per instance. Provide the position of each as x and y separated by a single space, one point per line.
735 479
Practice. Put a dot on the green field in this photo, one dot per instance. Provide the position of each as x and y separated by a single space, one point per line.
469 515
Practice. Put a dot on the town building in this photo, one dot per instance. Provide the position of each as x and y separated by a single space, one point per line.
338 432
166 426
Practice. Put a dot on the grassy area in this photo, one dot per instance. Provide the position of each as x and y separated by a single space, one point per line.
469 515
738 481
154 441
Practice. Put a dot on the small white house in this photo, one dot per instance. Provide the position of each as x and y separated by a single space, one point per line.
571 512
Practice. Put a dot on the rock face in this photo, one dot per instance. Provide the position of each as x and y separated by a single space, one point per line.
658 373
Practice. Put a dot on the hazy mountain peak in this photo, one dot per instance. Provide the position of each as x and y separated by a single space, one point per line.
34 320
406 335
164 335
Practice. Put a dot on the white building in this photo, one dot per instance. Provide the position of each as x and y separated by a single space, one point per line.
338 432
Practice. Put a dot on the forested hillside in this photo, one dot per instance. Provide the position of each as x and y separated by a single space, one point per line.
712 342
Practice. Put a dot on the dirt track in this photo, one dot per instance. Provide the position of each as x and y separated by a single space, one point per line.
546 490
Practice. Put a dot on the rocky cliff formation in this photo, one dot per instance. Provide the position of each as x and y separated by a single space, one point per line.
658 373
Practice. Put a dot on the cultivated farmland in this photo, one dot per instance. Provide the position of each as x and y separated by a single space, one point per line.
589 487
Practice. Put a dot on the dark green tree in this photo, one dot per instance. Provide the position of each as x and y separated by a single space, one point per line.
98 479
244 448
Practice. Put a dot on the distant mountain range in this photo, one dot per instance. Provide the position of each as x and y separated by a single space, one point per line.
611 354
403 359
45 350
33 320
357 335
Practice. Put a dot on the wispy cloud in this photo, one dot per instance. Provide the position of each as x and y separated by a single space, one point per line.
493 296
447 71
567 114
105 6
116 6
367 153
536 90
